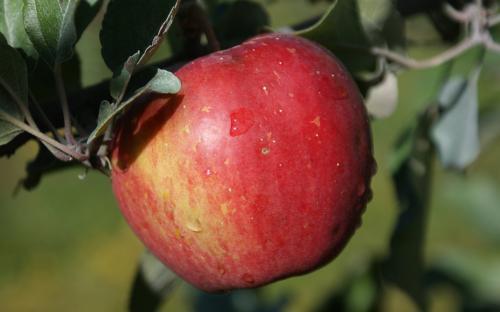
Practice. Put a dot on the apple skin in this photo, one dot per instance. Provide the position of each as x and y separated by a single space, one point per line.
259 168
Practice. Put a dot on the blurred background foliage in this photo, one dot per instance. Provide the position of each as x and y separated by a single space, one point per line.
65 247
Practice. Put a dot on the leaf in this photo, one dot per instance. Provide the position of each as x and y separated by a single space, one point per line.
349 29
382 99
12 26
393 31
7 131
163 82
152 284
404 266
131 25
50 26
247 19
85 13
13 75
456 133
476 199
119 83
13 86
373 16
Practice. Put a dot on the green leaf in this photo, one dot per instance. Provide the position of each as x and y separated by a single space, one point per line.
13 88
393 31
163 82
349 29
85 13
50 26
152 284
13 74
119 83
247 19
12 26
7 131
456 132
131 25
104 119
382 99
404 266
373 16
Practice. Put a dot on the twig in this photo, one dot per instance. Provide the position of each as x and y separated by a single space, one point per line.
42 136
456 15
475 16
494 20
431 62
20 103
63 100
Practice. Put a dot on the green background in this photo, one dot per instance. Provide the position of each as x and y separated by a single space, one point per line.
65 246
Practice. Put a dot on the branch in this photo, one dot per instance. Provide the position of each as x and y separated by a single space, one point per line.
42 136
431 62
86 102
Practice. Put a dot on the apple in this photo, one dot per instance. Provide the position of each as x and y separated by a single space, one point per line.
257 170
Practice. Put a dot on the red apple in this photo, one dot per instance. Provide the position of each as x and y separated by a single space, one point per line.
257 170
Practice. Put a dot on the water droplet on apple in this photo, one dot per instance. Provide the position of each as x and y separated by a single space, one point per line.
265 150
280 62
318 72
337 164
242 120
247 278
280 110
266 91
208 172
280 165
194 226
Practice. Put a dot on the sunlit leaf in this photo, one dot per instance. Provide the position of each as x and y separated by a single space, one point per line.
50 26
163 82
12 26
456 133
382 99
119 83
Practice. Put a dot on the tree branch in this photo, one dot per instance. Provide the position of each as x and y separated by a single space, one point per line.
431 62
42 136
